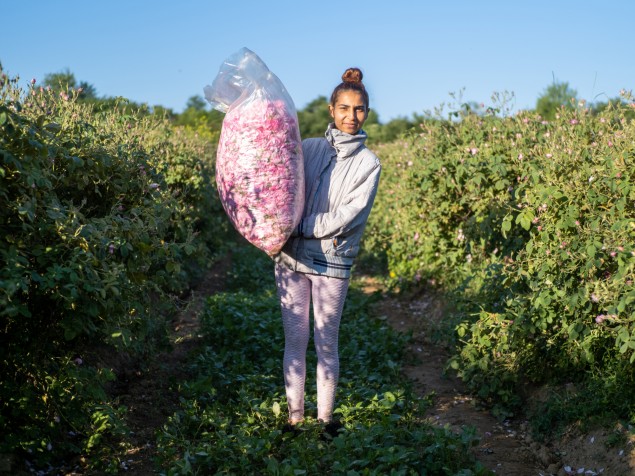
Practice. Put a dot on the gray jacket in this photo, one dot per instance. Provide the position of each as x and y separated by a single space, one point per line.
341 178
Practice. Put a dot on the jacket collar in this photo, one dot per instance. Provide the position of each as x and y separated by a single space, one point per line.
344 144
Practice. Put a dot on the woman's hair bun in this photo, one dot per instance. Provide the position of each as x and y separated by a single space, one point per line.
351 81
352 75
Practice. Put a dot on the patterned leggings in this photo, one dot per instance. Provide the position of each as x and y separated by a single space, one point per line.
296 290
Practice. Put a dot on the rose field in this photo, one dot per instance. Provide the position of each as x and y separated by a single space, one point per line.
521 228
527 227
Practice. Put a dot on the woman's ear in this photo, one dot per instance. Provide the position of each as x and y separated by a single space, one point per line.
331 111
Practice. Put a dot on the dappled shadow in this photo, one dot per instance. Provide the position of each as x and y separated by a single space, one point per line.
146 388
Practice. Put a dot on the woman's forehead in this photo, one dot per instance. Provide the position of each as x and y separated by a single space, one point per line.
350 98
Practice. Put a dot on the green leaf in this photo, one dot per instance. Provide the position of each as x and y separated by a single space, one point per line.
590 251
53 127
69 334
506 225
173 267
525 222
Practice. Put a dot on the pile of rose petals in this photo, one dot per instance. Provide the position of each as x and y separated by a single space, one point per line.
259 171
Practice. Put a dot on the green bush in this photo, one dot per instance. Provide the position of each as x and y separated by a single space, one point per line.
528 226
103 214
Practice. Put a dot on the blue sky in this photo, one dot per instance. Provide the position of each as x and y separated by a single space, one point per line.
413 53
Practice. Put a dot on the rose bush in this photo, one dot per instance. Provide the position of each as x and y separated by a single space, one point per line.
528 226
103 215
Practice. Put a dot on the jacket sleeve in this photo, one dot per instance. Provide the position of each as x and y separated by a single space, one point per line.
353 213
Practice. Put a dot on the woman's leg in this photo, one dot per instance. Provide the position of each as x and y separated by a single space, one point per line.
328 302
294 291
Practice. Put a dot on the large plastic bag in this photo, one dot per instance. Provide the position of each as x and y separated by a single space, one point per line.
259 163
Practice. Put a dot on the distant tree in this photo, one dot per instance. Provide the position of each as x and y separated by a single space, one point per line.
381 133
396 127
314 118
197 103
63 80
197 114
553 98
88 91
165 112
373 118
66 80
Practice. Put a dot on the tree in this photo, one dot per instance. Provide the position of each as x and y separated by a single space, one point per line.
554 97
373 118
314 118
61 81
87 91
65 80
196 115
197 103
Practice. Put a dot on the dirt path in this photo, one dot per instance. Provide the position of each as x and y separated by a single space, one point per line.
505 448
149 393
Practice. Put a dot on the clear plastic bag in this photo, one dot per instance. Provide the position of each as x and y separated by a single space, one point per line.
259 163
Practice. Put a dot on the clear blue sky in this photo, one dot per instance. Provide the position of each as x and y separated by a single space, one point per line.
413 53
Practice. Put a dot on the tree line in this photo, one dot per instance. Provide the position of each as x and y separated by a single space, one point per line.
313 117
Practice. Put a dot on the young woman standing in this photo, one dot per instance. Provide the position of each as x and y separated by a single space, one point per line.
314 267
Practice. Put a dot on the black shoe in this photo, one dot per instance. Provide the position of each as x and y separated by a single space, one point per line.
333 428
292 429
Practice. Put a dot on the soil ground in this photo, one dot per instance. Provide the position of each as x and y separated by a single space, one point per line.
506 448
149 394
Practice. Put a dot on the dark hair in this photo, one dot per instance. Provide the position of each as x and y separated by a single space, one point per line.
351 81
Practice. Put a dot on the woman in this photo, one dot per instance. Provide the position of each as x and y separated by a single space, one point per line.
341 178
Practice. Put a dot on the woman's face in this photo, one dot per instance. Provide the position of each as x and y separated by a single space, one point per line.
349 112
